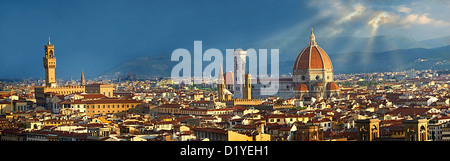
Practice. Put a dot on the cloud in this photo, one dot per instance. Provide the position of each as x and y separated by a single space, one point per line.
380 18
441 23
423 20
358 11
366 18
404 9
411 18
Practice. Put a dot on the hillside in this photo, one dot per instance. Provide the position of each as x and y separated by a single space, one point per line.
290 48
396 60
437 42
414 55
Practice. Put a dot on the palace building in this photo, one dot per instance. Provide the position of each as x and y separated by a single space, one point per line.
51 87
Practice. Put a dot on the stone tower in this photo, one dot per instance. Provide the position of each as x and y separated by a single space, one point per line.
50 65
368 129
416 130
247 88
239 57
221 86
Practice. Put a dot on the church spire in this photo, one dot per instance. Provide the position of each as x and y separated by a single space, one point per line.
221 85
220 76
83 81
49 41
312 38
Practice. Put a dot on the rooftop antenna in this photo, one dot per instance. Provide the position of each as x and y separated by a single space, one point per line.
239 44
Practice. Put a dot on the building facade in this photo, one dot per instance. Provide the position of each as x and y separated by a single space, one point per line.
102 106
368 129
49 61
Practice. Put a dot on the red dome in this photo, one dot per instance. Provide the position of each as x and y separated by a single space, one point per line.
301 87
312 57
332 86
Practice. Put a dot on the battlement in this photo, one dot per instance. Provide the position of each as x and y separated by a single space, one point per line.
65 87
238 101
62 90
246 100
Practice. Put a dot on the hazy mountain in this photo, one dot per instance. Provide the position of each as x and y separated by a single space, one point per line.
396 60
346 58
437 42
334 45
155 66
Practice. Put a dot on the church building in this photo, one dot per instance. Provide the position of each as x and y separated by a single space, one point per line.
312 77
313 72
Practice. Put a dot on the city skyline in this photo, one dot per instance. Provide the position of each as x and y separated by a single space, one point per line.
328 71
101 35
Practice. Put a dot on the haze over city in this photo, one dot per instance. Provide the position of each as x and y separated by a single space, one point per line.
98 37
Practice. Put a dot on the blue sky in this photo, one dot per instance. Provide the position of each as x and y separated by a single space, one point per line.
97 35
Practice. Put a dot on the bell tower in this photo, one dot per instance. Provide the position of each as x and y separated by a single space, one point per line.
416 130
368 129
221 85
247 88
50 65
240 62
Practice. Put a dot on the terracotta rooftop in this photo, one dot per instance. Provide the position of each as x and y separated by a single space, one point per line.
312 57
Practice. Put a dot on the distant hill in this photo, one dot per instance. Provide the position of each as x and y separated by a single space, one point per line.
154 66
384 55
291 48
396 60
437 42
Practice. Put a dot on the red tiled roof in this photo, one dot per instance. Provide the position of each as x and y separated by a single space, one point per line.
312 57
252 126
207 129
332 86
409 111
301 87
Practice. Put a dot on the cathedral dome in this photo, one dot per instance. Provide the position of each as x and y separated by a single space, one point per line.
332 86
301 87
312 57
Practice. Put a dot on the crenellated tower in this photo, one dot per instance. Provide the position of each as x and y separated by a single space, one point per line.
50 65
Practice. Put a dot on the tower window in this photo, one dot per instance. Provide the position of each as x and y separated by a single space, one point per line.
303 77
317 77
